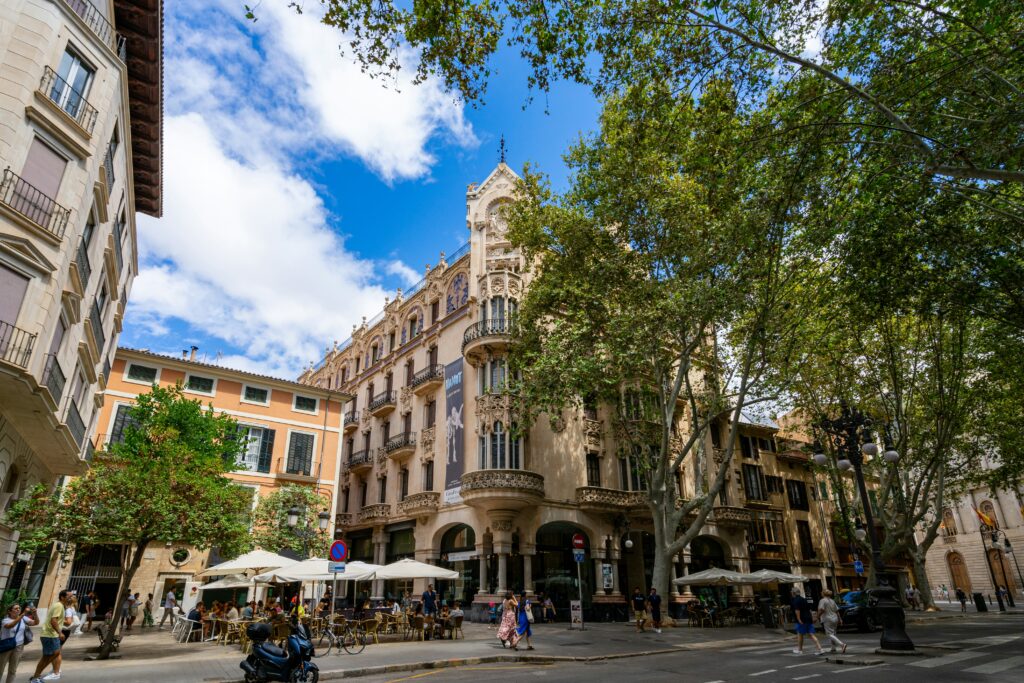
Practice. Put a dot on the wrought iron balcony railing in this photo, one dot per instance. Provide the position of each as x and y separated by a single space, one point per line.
99 25
84 267
382 399
15 344
65 96
53 377
33 204
118 244
96 321
403 440
486 328
359 458
431 372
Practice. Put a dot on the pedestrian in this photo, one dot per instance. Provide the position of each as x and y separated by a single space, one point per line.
523 629
507 630
86 606
654 604
133 609
51 639
828 615
945 594
147 611
429 601
94 609
962 597
71 623
804 622
170 602
918 600
16 625
549 610
639 609
1001 592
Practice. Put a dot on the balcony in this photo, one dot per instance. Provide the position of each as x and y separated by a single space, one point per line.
360 461
376 512
421 503
597 499
351 421
96 327
99 25
75 424
731 517
764 551
68 100
427 380
382 404
401 445
343 519
84 267
486 337
502 489
54 379
32 207
15 345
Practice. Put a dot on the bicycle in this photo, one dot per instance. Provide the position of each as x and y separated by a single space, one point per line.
352 639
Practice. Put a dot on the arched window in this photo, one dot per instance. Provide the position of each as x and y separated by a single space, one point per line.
989 510
498 446
948 523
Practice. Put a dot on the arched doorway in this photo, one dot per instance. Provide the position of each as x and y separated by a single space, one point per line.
458 552
958 576
1001 570
707 552
555 571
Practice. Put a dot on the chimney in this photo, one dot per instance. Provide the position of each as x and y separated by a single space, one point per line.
184 354
192 356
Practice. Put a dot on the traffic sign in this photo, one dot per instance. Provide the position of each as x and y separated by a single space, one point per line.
338 552
858 566
578 543
336 567
578 555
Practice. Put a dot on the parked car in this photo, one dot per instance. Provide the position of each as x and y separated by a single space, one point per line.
855 612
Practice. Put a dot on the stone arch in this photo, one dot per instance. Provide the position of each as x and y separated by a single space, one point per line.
555 570
989 510
456 291
707 551
1001 569
415 314
959 577
438 535
949 523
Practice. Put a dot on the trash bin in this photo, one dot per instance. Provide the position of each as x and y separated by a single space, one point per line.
979 602
767 613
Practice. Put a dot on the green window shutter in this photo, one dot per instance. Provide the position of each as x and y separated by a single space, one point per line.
266 451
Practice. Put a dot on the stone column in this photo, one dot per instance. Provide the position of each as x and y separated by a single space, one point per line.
502 573
528 574
484 579
380 540
599 576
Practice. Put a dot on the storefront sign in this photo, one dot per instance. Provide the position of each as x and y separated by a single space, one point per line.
454 431
462 556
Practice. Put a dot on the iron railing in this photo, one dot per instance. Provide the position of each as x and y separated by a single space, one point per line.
75 424
72 102
96 321
84 267
359 458
53 377
427 374
382 399
118 246
99 25
15 344
486 328
350 417
32 203
400 441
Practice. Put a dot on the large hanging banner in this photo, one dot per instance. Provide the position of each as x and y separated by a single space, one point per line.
454 432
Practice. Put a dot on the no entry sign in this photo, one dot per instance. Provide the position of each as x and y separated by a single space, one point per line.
577 542
339 551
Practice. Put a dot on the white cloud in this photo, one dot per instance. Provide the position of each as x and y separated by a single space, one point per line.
246 252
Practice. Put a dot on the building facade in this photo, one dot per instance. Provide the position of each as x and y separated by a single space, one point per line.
80 143
292 434
432 467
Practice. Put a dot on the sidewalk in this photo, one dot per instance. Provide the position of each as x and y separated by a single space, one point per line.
154 656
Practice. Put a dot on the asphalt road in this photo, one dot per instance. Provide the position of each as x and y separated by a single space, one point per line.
989 649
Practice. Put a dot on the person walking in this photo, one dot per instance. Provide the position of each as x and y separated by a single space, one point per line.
549 610
52 639
147 611
828 615
654 604
507 630
86 605
133 609
639 609
962 597
523 629
15 626
804 622
170 602
429 601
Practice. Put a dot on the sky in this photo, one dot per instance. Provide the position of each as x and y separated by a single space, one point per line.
299 192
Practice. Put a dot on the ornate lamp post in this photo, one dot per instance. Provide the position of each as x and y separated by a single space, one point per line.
1003 547
305 532
851 433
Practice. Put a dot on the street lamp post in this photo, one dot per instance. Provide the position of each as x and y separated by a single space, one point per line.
852 435
305 532
1006 548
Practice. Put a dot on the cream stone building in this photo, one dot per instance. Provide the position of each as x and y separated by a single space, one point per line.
80 153
431 470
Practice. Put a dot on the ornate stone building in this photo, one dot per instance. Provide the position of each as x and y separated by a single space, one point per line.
80 153
432 469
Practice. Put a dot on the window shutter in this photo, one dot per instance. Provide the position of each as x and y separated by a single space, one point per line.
266 451
121 422
300 454
43 169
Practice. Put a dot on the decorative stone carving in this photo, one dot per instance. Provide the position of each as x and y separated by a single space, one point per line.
519 480
501 525
374 512
731 517
491 408
382 458
592 432
419 503
427 441
405 399
364 419
343 519
597 498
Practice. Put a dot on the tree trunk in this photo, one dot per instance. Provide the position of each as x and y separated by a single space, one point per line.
921 578
662 577
126 582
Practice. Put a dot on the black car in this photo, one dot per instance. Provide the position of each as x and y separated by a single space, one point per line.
856 613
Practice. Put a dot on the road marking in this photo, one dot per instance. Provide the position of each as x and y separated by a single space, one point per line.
846 670
996 666
800 678
793 666
766 671
992 640
468 668
947 659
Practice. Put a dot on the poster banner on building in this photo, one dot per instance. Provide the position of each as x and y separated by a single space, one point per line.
454 431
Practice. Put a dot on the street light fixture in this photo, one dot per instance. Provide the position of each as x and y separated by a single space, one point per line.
859 532
305 532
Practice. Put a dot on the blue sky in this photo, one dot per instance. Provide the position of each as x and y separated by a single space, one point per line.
299 193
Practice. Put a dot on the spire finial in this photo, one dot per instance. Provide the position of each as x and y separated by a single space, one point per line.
502 149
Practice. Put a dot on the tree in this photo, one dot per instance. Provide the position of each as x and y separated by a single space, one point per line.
164 483
666 285
270 528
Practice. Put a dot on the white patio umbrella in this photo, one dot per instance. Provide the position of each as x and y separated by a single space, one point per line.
257 560
232 581
316 569
713 577
412 569
772 576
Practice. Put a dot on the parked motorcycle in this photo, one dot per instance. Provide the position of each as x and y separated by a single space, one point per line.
268 662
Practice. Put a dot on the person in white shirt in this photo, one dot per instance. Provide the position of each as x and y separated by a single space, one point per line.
15 624
232 614
169 604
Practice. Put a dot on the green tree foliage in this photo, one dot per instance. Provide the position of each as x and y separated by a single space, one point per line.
270 529
665 285
164 483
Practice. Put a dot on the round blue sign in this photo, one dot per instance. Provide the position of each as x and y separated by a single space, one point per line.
339 551
858 567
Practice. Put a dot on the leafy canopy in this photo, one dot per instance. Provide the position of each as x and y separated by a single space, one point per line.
270 529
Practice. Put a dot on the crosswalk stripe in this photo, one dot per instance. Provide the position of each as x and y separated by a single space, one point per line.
947 659
991 640
762 673
996 666
794 666
800 678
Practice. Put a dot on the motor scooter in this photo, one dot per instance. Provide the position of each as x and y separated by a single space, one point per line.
268 662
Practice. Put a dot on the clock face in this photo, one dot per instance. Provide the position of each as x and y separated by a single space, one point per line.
458 293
